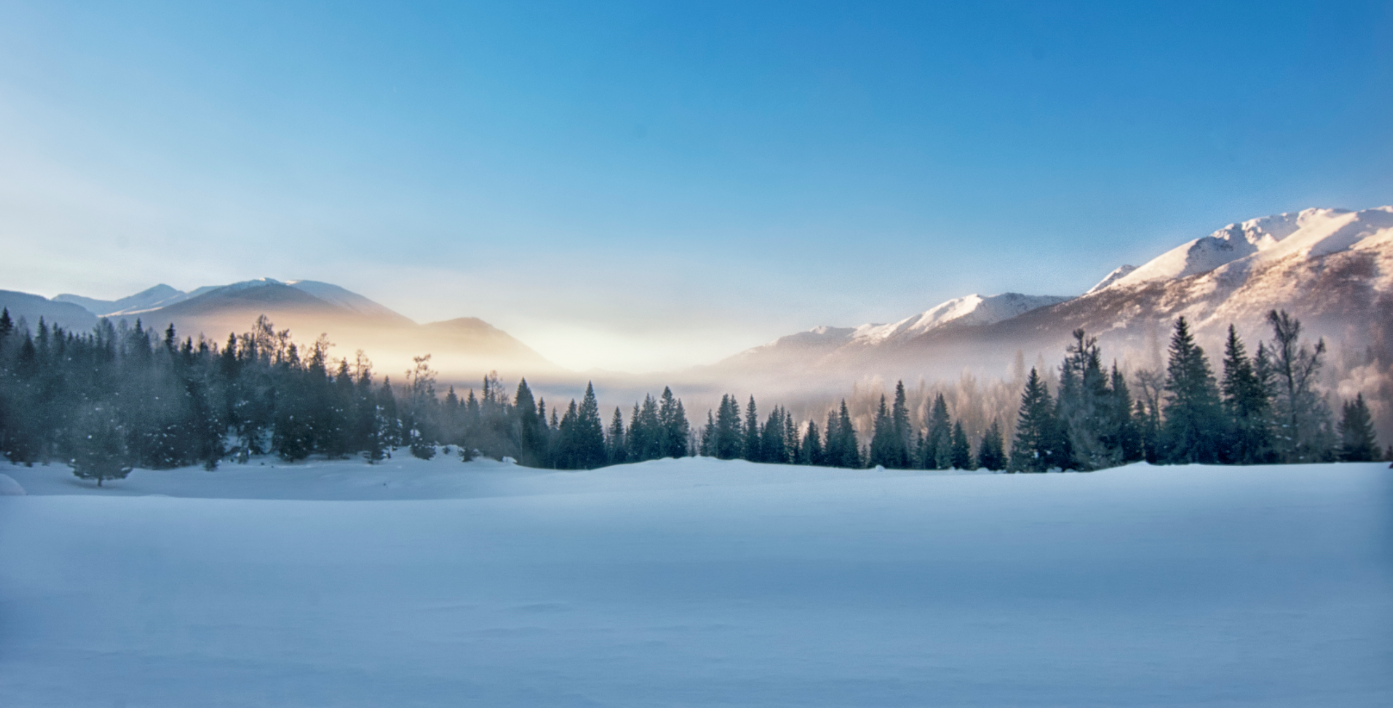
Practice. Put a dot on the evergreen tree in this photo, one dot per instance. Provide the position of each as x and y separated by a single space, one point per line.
616 447
99 452
1357 442
590 433
936 451
1035 448
1193 419
1122 431
728 429
674 430
752 439
531 431
899 416
811 451
1246 406
389 430
886 450
772 444
842 449
960 450
1083 409
791 441
991 452
646 433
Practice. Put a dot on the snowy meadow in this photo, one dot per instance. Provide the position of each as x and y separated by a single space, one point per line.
696 582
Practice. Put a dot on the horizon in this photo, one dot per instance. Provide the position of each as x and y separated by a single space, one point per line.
641 189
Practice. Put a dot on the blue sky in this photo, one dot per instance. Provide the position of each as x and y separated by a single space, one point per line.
649 185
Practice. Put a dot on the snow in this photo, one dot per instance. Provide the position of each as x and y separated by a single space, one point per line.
1117 274
967 310
1305 234
9 487
697 582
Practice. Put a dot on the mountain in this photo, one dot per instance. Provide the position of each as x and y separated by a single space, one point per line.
462 349
1331 268
33 307
158 296
821 345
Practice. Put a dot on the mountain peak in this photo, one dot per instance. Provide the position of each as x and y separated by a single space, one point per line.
1314 231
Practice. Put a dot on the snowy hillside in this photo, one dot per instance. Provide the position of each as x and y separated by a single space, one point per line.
964 311
1312 232
969 310
694 582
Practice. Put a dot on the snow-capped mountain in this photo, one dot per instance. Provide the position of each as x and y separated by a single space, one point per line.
967 311
1331 268
1313 232
1117 274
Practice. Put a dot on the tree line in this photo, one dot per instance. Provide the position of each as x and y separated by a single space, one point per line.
120 397
1263 408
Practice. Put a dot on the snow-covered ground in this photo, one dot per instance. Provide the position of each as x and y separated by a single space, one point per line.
695 582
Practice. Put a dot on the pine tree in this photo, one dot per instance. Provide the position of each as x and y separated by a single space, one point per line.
772 444
708 437
1123 433
842 449
674 430
1357 442
885 446
1035 448
752 441
899 416
614 443
937 452
961 451
791 440
728 429
530 427
1246 406
991 453
1084 409
811 451
100 452
590 432
1193 419
646 432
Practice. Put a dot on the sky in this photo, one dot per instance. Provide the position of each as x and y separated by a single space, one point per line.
648 186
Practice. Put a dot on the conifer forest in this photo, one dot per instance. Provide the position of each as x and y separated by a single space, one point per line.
120 397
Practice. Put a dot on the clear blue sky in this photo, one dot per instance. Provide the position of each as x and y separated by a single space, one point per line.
648 185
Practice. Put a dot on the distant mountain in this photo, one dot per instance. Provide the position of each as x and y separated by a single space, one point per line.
1332 268
157 296
840 343
33 307
462 349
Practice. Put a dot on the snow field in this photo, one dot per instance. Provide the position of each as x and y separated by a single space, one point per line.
697 582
